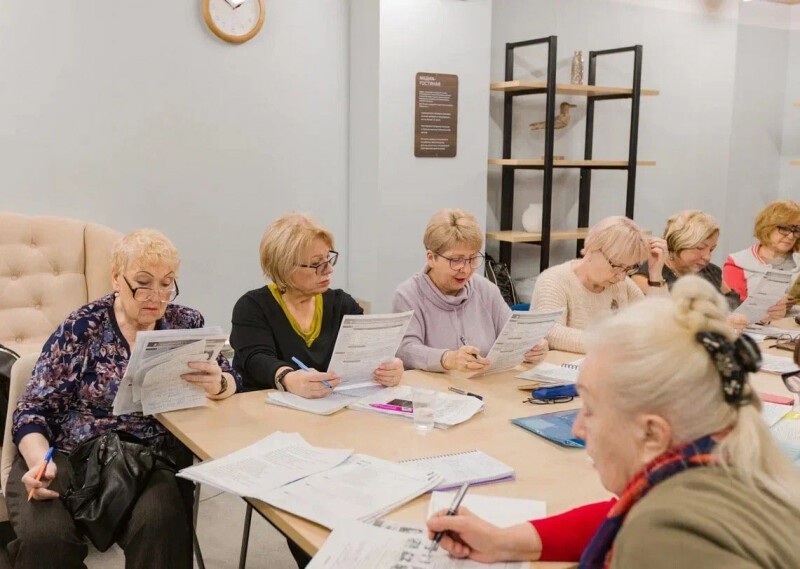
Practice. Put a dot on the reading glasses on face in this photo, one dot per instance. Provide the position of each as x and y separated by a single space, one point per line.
333 256
790 229
145 293
621 269
459 263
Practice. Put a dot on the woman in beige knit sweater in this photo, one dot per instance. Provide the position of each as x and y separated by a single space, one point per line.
673 428
599 282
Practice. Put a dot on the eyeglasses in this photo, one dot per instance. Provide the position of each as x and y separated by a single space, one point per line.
459 263
790 230
333 256
144 293
547 401
785 342
621 269
792 380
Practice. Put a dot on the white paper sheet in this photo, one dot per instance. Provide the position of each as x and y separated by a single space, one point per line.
364 342
777 364
274 461
787 434
770 289
521 333
773 412
550 373
473 466
323 406
402 546
363 488
163 389
500 511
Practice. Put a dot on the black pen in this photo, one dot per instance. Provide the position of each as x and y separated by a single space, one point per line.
437 537
462 392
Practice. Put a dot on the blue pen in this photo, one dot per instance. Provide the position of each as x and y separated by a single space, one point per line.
304 367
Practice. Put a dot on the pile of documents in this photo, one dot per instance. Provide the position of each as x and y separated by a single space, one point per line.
551 374
328 486
152 382
448 409
390 545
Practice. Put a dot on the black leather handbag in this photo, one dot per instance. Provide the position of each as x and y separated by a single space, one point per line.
109 473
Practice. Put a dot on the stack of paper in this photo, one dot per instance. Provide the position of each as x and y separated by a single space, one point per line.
323 406
393 545
152 382
777 364
449 408
473 467
270 463
552 374
502 512
364 488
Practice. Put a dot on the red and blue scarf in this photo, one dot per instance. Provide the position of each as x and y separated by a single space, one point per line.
696 453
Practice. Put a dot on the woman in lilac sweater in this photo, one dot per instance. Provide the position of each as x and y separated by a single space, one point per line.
458 314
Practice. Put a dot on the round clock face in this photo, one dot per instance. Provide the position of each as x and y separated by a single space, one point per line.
235 20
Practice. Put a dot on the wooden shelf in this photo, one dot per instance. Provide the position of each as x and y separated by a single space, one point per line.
525 237
568 88
610 164
555 235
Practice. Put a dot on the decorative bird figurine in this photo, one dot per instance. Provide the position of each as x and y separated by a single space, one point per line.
562 118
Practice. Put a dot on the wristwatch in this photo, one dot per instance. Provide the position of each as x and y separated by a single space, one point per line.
655 283
279 379
223 385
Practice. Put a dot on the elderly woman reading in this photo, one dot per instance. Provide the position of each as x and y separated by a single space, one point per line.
297 315
70 397
458 314
673 428
599 282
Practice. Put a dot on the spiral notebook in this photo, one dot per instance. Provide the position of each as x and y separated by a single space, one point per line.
474 466
553 374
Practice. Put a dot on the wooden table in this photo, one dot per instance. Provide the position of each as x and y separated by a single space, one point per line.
562 477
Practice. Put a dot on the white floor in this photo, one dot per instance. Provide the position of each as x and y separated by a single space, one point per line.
219 530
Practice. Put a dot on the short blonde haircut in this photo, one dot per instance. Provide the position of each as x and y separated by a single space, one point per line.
781 212
620 239
687 229
450 227
654 360
284 243
144 247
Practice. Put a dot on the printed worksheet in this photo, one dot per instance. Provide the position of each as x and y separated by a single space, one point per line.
767 293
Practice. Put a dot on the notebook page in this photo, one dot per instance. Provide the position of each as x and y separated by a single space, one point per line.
500 511
458 468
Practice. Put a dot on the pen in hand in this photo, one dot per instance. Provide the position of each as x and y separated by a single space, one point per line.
304 367
41 472
437 537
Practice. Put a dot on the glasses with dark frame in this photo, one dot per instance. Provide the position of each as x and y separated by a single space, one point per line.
459 263
145 293
547 401
333 256
621 269
789 230
791 380
785 342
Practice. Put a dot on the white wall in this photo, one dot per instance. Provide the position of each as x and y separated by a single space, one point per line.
388 219
790 143
133 114
714 130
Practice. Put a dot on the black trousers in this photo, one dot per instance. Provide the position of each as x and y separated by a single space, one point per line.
158 534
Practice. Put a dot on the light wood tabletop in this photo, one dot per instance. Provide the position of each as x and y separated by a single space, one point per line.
562 477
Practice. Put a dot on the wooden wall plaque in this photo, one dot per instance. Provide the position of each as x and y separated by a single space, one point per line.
436 115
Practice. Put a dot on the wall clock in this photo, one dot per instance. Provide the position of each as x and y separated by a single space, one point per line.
234 21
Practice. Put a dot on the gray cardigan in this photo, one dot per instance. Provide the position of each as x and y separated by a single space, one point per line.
475 316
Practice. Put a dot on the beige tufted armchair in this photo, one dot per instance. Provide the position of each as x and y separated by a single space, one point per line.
49 266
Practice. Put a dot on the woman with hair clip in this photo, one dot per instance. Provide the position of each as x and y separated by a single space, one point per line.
674 430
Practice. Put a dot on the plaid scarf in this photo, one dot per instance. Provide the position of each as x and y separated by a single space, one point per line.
696 453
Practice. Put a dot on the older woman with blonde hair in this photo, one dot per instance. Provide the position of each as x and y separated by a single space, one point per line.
777 229
673 428
599 282
70 398
297 315
458 314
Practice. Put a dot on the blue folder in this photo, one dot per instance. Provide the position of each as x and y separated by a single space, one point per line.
556 427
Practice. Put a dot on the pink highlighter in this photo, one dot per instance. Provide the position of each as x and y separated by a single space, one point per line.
391 407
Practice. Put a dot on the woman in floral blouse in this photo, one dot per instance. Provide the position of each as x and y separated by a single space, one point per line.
69 399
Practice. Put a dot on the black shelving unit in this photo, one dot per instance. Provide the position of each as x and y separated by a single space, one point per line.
550 89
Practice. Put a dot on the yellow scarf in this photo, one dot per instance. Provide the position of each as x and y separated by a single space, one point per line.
316 322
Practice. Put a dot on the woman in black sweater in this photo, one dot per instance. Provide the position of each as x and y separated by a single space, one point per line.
296 315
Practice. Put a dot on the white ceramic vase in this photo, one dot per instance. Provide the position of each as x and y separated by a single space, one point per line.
532 218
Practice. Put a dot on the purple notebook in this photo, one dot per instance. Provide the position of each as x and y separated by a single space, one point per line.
474 466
